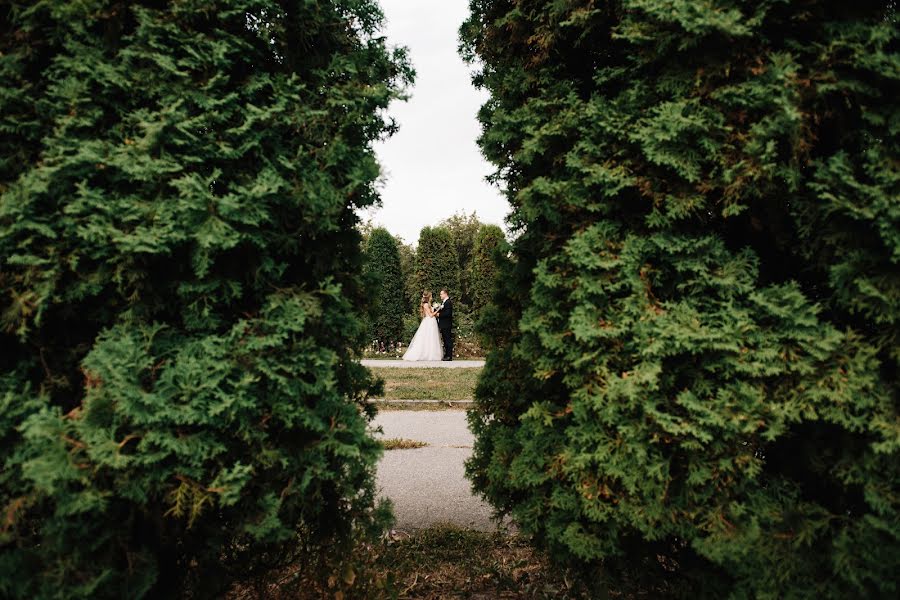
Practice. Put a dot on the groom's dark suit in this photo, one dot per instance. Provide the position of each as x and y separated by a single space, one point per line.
445 325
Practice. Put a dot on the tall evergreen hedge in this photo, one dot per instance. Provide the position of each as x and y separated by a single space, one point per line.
411 295
385 306
484 269
698 332
179 288
463 230
437 264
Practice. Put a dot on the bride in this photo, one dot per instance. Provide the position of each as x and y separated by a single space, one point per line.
426 344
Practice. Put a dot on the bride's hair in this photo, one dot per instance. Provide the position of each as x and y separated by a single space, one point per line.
426 299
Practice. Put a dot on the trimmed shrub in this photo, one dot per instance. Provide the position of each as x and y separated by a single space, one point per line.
484 269
411 295
385 305
410 326
437 265
180 404
463 229
696 361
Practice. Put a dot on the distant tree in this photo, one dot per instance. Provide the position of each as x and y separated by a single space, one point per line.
365 229
463 229
384 274
408 269
437 264
483 267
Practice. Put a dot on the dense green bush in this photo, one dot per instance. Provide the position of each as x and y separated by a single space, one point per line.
483 270
697 331
463 230
179 289
411 295
437 265
466 343
385 304
410 325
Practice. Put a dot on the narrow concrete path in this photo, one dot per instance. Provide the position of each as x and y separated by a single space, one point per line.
429 364
451 403
428 485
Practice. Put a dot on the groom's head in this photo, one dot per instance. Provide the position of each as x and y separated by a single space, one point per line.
444 294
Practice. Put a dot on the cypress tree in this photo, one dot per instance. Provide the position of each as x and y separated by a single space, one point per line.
437 265
179 181
696 336
386 305
484 268
463 229
411 296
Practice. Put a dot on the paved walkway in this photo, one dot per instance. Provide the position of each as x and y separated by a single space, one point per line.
428 485
457 403
437 364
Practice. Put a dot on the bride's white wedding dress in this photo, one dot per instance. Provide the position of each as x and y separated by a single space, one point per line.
426 344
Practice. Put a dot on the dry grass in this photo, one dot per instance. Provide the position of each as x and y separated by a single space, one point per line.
438 563
428 384
448 562
402 444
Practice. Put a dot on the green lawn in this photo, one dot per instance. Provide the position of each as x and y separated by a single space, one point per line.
425 406
428 384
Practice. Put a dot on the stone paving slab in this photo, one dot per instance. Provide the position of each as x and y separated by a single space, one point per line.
424 364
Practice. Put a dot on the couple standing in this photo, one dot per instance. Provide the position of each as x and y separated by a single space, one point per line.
436 325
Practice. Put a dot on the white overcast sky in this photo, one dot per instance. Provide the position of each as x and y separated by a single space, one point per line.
432 168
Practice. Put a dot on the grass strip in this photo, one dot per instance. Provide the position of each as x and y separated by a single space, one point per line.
428 384
431 406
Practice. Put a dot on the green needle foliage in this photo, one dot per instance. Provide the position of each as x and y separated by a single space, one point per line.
437 264
484 269
179 404
411 296
698 332
463 229
385 306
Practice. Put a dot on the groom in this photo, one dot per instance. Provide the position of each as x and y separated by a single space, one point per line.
445 323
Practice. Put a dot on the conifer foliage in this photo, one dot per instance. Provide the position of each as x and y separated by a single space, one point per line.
437 264
488 241
463 230
697 333
385 305
179 281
